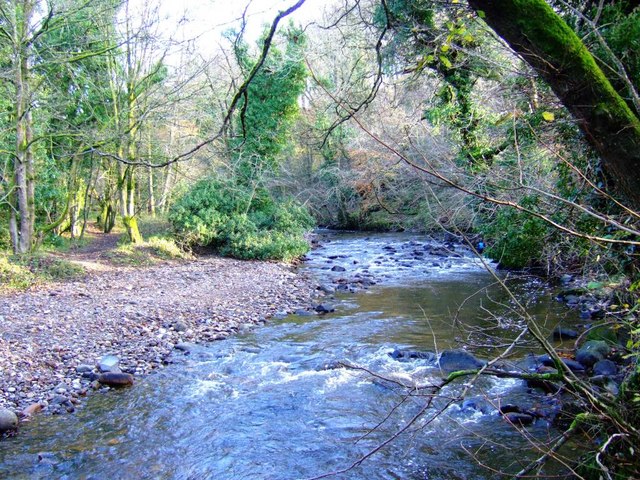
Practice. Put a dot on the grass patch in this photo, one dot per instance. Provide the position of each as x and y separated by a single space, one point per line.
154 250
24 271
64 243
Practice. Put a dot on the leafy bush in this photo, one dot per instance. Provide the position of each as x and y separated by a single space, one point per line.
515 239
240 222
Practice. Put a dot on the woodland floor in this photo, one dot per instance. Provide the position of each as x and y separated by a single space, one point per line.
139 314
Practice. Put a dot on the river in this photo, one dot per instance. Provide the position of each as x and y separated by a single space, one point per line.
275 402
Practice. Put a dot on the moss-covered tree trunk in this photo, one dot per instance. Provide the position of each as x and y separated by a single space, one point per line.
551 47
22 223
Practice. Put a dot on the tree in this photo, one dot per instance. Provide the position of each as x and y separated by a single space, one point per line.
18 30
537 33
269 106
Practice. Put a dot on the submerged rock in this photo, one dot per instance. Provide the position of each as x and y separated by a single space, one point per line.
116 379
8 420
453 360
560 333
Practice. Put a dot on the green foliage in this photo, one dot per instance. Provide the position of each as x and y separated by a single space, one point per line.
621 30
240 222
270 106
514 238
22 272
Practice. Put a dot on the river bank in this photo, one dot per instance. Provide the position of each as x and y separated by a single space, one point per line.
53 337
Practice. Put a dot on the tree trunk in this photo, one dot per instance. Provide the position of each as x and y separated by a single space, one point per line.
551 47
23 162
152 199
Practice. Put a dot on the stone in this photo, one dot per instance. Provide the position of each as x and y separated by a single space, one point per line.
184 347
407 355
108 363
180 326
8 420
454 360
605 367
338 268
566 279
91 376
509 408
518 418
324 308
84 369
116 379
592 352
560 333
572 300
59 400
326 289
573 365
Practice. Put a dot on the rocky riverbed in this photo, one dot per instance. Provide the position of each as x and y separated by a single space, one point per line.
56 340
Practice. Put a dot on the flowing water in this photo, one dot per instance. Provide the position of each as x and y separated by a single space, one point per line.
274 403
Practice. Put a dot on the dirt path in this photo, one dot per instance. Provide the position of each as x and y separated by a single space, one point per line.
52 337
94 255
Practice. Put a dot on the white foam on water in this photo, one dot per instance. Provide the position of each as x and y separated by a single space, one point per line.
503 385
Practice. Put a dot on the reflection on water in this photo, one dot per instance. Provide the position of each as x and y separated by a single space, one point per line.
264 405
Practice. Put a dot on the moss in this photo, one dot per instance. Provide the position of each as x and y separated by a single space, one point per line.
131 224
564 49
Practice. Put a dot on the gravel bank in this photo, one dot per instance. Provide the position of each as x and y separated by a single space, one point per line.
52 338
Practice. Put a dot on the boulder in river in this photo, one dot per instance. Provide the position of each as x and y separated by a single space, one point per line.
573 365
592 352
408 355
454 360
8 420
338 268
116 379
519 419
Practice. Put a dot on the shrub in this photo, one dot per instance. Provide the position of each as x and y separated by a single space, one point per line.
515 239
240 222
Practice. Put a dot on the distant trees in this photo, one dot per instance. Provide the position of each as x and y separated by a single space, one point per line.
82 84
47 51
